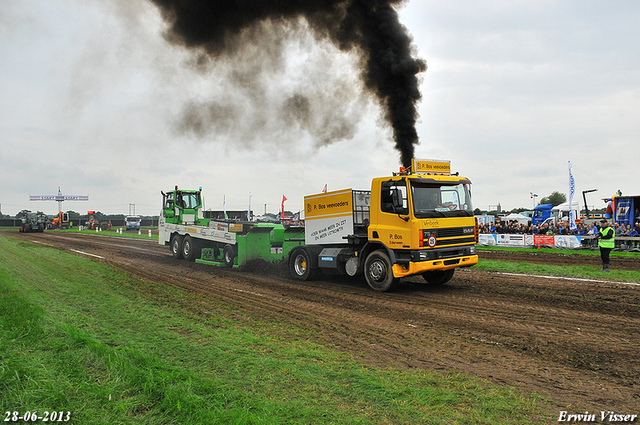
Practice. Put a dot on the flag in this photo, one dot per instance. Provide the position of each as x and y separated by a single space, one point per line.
572 189
325 189
284 198
249 210
224 206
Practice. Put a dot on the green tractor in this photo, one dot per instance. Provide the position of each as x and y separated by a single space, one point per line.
33 222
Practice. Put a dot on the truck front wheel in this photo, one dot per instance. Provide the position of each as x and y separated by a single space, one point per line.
300 264
176 246
378 272
438 277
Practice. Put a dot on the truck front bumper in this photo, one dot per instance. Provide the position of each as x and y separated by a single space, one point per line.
428 260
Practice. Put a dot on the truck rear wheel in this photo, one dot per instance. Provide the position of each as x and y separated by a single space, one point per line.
229 255
189 248
378 272
438 277
176 246
300 264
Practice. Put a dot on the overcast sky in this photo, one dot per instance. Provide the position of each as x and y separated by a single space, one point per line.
94 99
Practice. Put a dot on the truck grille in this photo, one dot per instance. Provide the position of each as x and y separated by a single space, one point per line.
442 242
453 232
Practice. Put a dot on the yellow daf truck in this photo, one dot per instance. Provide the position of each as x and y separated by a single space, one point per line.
416 222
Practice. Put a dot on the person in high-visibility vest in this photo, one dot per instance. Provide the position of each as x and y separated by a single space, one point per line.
606 241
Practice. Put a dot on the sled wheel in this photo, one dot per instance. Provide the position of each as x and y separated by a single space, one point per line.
229 255
300 264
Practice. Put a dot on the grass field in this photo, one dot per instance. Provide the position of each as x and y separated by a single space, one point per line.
583 272
85 338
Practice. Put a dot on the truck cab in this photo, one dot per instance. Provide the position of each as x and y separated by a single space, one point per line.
561 212
181 206
425 222
541 213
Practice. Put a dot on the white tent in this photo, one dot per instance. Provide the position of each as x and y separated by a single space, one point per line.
518 217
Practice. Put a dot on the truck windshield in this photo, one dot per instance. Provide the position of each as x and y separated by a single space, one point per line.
433 200
189 200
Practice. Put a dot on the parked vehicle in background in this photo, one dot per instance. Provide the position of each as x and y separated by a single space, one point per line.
60 221
561 212
132 222
548 214
541 213
627 210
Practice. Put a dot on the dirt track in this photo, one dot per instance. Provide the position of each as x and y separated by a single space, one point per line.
574 342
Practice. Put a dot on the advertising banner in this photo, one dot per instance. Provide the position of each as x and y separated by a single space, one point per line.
510 240
425 166
559 241
568 241
544 240
59 198
486 239
572 189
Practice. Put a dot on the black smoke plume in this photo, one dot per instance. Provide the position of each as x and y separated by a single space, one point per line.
370 28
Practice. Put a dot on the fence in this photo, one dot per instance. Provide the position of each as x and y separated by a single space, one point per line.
623 243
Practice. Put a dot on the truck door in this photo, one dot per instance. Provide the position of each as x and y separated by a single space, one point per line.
390 228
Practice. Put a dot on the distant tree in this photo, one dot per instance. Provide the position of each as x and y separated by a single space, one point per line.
477 211
556 198
73 215
518 210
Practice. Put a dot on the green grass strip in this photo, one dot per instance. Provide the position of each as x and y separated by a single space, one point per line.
582 272
83 337
558 251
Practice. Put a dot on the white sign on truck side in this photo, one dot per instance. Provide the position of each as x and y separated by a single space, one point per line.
328 217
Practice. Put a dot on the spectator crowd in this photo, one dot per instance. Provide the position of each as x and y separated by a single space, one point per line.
560 228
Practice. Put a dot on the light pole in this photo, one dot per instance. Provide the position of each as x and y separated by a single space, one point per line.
533 196
584 197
